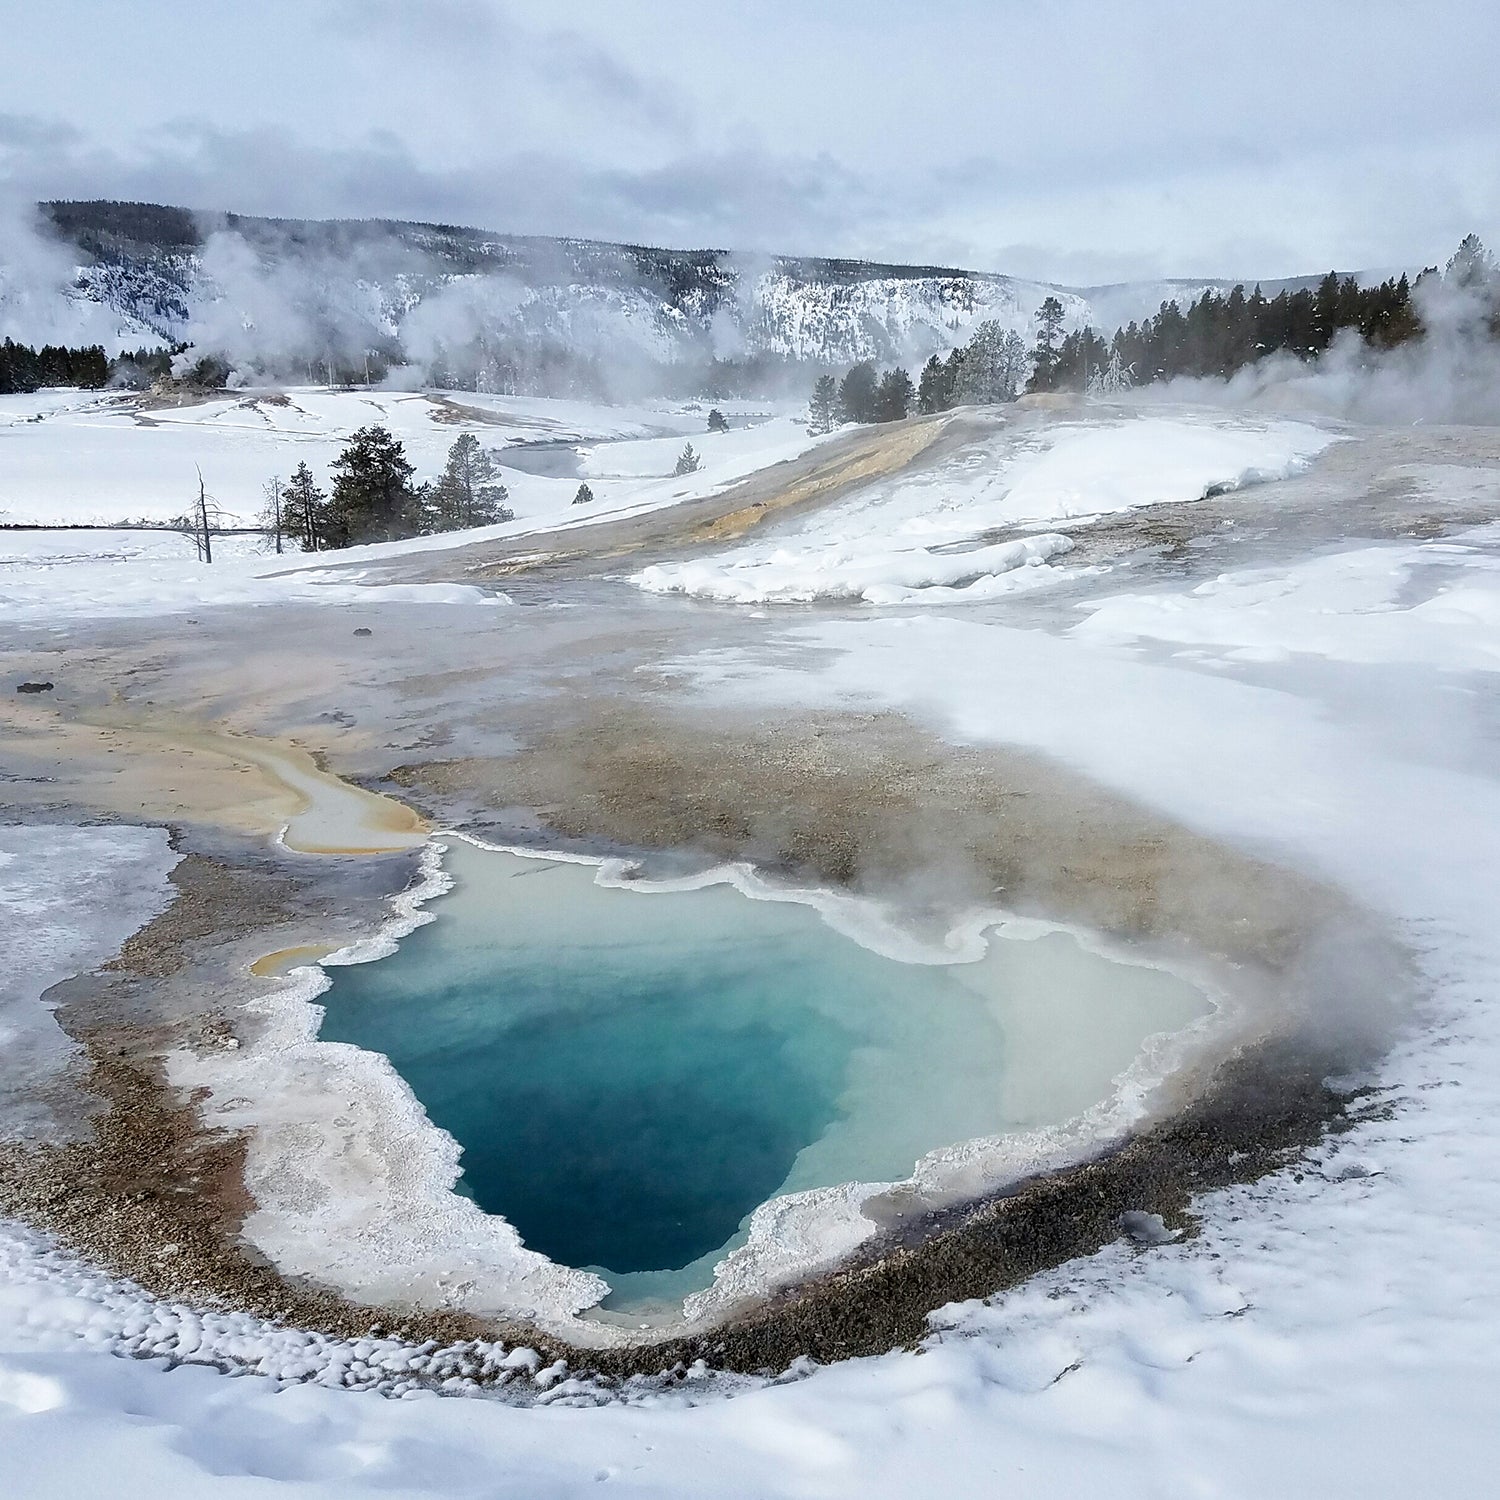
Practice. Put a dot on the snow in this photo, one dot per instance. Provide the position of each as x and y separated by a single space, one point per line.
921 538
48 576
881 318
1330 1331
68 898
223 297
73 458
801 575
80 457
1435 604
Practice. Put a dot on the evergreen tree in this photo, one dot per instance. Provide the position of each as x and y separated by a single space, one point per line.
1471 266
1044 353
823 406
1473 270
304 510
857 394
373 499
717 422
469 492
934 388
584 495
893 396
687 462
1218 335
990 367
1110 378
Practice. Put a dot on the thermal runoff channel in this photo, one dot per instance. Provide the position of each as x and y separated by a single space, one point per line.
632 1072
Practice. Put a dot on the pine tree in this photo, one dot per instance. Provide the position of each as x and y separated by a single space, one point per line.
857 394
1044 353
687 462
1471 264
989 368
469 492
304 510
893 396
931 396
1112 377
717 422
821 409
373 499
584 495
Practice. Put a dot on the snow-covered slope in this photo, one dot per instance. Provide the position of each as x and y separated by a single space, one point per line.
927 538
288 293
292 298
884 317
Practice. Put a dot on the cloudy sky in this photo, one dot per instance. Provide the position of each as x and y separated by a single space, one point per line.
1076 141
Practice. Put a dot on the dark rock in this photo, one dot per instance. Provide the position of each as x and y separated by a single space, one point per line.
33 687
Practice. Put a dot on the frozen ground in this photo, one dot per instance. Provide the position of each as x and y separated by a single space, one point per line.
78 459
923 538
92 458
1330 1331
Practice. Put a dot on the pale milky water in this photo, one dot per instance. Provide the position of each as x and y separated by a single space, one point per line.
631 1072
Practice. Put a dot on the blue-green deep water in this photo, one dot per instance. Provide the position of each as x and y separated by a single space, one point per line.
631 1073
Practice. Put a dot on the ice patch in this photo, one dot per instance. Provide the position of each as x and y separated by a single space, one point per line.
68 898
1436 605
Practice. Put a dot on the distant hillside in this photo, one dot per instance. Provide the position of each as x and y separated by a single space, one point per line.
289 298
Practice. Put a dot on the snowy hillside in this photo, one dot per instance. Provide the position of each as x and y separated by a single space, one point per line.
889 317
295 300
276 295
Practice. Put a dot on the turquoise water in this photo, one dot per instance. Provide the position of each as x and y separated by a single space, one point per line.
631 1074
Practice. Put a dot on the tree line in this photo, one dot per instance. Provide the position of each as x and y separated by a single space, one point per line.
863 395
991 367
372 497
1218 334
24 369
1223 332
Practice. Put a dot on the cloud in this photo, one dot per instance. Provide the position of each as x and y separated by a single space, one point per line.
1085 141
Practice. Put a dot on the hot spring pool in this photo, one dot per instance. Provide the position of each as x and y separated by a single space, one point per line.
630 1073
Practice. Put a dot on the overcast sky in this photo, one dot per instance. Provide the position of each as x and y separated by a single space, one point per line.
1077 141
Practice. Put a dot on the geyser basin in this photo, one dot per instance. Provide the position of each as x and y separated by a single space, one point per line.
632 1071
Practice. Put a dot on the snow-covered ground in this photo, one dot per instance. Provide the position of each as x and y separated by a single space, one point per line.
53 575
1331 1331
920 538
1434 604
78 457
72 458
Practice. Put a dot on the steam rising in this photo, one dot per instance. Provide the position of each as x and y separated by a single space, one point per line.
418 305
1450 375
40 302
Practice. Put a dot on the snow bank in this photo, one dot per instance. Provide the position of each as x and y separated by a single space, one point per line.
1100 470
923 537
837 572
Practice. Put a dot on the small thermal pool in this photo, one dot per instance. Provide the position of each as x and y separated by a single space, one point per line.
631 1072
